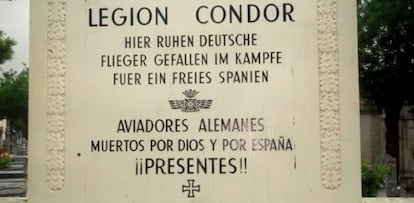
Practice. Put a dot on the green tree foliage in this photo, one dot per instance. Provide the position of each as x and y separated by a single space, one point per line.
14 98
373 177
13 89
386 56
6 48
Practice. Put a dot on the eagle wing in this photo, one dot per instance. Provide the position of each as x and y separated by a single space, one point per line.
204 104
177 104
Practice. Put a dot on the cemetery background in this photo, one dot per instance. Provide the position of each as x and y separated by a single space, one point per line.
373 144
386 58
13 97
13 125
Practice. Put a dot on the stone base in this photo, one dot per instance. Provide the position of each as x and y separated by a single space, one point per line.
13 200
387 200
364 200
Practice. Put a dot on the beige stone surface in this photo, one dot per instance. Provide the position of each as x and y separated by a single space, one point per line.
364 200
304 96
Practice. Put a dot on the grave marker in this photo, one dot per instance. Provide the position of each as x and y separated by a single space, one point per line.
219 101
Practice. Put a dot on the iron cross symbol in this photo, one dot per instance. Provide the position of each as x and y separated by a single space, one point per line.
191 188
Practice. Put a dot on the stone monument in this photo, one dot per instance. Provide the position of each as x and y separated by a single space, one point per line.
193 101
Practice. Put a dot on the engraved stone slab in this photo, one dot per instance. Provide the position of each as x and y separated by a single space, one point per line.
184 101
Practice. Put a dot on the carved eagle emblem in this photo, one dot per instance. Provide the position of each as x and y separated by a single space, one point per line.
190 103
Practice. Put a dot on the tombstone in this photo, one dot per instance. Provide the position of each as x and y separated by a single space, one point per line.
13 178
407 151
392 188
3 127
189 101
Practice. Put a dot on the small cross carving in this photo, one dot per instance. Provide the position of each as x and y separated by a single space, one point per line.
191 188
